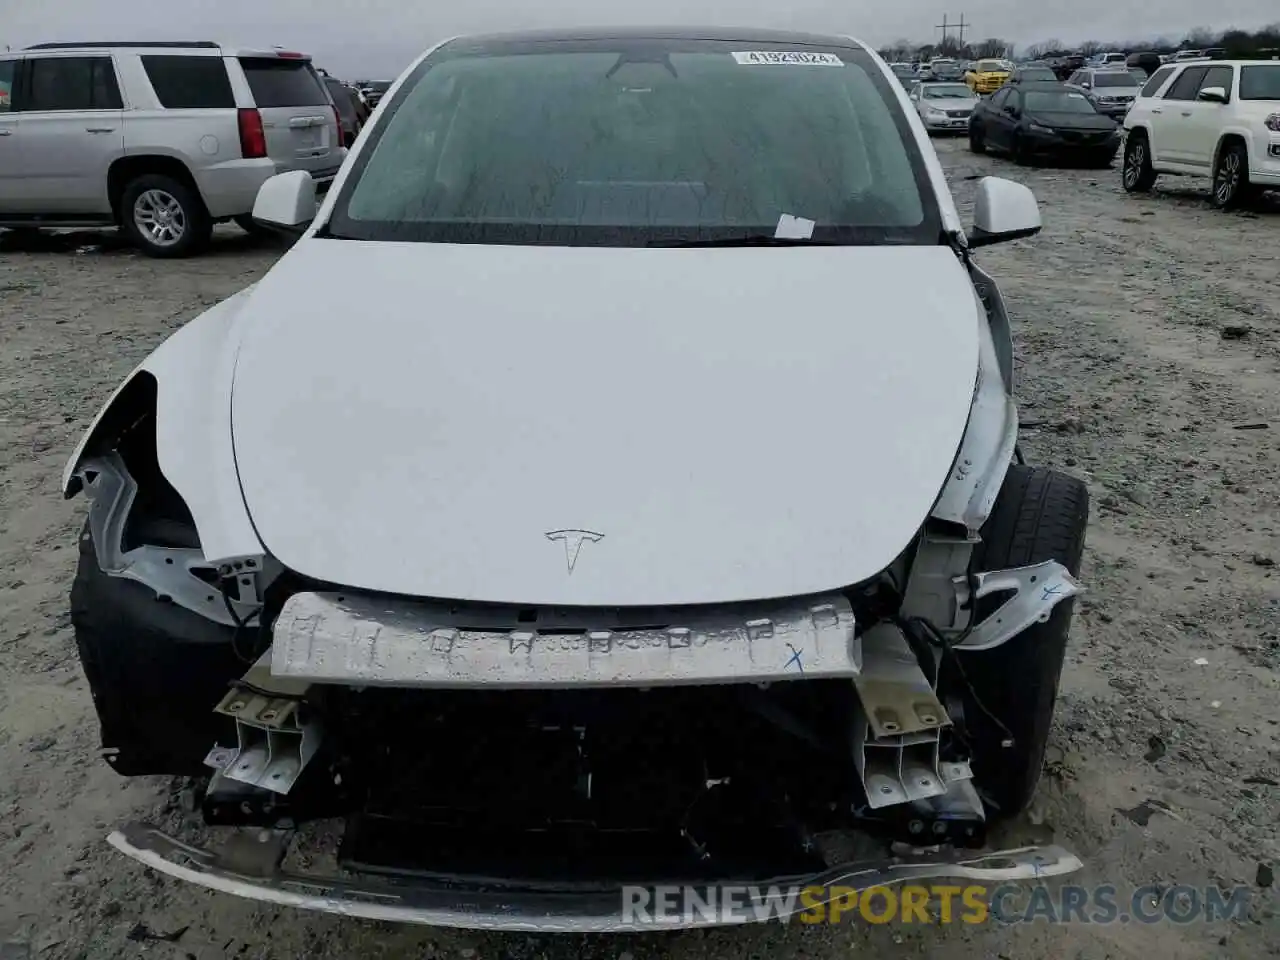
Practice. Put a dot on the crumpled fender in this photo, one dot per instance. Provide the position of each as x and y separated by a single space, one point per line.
991 435
193 372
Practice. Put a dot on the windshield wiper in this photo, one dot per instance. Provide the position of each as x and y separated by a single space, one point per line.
751 240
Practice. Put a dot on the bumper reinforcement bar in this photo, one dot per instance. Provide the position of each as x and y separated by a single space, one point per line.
470 905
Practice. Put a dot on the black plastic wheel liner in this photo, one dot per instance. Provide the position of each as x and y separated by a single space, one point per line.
155 670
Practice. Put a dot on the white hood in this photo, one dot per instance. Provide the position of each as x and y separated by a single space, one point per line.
726 424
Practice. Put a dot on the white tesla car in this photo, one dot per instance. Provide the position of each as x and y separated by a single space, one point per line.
642 519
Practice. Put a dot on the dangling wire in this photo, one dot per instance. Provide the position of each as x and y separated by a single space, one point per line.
240 625
950 656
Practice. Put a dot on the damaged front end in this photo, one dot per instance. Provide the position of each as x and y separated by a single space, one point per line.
517 766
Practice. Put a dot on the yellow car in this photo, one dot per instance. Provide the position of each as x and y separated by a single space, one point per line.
988 76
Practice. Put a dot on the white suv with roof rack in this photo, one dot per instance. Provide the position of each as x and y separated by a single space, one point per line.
163 139
1218 119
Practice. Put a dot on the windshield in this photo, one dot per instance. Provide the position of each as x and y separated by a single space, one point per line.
1057 101
1116 79
992 66
639 143
946 91
1036 73
1260 82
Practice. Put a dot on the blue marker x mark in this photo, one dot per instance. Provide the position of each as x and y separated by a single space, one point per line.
795 658
1051 591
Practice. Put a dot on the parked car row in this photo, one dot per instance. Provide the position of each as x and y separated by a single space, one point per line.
1218 118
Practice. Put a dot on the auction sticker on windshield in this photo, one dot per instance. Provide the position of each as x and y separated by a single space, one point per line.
803 58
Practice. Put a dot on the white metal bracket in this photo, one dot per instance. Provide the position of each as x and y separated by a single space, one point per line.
1034 592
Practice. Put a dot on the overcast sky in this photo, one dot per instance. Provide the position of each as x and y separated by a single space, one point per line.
369 39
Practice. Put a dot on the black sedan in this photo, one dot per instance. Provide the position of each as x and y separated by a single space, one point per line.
1032 121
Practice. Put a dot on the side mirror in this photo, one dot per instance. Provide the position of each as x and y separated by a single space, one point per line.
1212 95
286 202
1003 211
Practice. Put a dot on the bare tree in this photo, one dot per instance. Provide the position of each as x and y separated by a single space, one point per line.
950 47
1240 43
1200 37
991 47
1045 48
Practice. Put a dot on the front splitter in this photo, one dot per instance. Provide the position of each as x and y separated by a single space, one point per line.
471 905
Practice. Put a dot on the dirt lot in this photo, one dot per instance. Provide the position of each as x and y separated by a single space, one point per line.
1148 338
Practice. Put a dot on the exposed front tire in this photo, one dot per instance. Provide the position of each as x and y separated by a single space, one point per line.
977 144
164 217
1138 175
1039 515
1231 187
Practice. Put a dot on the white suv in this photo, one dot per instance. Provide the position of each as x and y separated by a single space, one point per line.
1218 119
163 139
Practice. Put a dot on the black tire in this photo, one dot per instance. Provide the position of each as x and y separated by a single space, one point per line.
1137 175
1019 152
251 226
977 144
1039 515
168 202
1231 188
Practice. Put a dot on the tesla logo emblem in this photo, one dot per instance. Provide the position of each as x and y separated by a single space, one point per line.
573 540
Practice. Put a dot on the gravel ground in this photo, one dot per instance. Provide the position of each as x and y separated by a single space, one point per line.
1148 335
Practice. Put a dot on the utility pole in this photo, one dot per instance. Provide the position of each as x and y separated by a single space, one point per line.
944 26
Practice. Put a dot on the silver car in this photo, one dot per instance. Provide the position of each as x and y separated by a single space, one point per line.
944 107
162 139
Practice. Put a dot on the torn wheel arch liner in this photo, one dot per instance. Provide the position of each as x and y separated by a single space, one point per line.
191 373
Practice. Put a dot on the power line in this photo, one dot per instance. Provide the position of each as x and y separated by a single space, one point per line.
944 26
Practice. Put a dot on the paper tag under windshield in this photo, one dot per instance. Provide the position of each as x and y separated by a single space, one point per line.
793 228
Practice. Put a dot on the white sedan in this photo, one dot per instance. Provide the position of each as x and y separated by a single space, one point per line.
944 107
640 518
